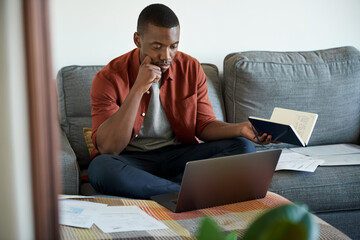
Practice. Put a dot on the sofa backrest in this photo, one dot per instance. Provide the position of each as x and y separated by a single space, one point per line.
326 82
214 85
74 85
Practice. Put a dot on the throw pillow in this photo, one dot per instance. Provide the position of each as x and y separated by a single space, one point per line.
87 135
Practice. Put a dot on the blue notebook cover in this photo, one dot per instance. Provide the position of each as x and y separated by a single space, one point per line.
279 132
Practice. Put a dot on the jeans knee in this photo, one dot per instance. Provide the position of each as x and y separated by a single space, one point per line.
248 145
243 145
102 170
232 146
96 165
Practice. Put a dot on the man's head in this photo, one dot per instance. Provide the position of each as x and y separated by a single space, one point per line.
157 36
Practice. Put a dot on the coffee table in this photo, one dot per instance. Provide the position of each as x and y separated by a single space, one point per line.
231 217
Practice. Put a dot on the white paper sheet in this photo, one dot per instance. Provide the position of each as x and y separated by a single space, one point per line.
297 162
64 196
340 160
126 218
333 149
79 213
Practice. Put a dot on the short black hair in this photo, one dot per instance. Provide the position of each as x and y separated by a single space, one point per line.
158 15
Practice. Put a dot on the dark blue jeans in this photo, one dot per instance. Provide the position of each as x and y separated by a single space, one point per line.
145 174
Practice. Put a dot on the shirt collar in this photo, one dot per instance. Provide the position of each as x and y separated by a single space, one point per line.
169 74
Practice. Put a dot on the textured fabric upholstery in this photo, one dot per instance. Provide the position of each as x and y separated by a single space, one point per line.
326 82
344 221
69 167
214 90
74 84
326 189
332 193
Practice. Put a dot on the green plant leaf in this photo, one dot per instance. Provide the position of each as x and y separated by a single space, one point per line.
284 222
209 230
231 236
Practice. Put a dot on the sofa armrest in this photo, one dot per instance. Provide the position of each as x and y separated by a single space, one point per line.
70 169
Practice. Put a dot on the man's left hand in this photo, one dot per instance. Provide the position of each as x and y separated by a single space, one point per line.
251 134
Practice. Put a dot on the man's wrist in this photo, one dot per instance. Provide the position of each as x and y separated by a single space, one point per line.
136 92
241 129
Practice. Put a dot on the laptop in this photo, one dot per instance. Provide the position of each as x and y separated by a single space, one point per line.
223 180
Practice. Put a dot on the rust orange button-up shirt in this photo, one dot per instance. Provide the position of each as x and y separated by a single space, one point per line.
183 94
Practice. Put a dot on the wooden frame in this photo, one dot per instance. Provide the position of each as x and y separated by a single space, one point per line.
44 136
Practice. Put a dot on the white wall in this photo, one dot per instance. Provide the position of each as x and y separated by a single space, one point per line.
16 218
96 31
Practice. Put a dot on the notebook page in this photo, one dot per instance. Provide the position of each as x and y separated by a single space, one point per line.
302 122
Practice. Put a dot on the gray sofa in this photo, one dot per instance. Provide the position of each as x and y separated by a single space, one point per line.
253 83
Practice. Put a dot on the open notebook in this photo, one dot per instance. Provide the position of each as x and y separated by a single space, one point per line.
287 126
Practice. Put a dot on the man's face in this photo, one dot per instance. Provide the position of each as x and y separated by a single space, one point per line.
160 43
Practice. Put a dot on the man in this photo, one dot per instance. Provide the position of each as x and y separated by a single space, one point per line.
150 109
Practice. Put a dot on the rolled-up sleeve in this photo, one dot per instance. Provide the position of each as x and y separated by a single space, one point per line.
103 102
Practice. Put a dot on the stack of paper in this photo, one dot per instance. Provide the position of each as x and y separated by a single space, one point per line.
126 218
298 162
309 158
79 213
84 214
333 155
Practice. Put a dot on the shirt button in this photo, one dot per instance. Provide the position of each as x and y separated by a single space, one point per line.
148 92
143 114
136 135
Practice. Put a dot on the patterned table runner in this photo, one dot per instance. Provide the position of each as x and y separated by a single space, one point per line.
231 217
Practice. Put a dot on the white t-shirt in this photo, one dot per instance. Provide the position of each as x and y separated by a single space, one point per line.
156 131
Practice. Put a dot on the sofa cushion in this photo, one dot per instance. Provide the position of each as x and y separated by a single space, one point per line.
214 90
325 190
326 82
344 221
332 193
69 167
74 85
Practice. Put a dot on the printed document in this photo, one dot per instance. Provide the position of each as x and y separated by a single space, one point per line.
126 218
333 155
298 162
84 214
79 213
340 159
332 149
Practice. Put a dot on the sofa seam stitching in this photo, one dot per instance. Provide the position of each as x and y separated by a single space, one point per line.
305 64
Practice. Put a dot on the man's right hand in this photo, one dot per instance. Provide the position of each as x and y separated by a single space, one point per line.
148 74
114 133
